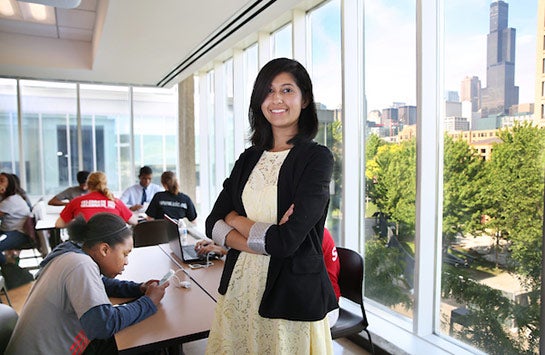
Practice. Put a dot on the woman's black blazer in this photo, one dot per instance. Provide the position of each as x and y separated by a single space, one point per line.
297 285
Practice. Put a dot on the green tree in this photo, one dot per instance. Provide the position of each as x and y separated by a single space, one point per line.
462 176
514 195
391 177
383 274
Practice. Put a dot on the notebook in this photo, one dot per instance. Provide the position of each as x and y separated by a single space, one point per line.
187 252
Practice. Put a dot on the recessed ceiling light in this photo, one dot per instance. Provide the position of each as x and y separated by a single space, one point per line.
6 8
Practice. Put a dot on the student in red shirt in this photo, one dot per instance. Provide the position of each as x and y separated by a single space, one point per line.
333 267
99 199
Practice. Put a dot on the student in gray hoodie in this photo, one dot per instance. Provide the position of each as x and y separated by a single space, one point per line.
68 310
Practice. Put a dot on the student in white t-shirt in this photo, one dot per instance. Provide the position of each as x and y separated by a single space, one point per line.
68 310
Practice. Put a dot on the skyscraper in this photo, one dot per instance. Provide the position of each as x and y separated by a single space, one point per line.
471 91
500 92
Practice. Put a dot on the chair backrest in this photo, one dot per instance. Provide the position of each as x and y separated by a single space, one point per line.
30 229
351 277
151 232
8 319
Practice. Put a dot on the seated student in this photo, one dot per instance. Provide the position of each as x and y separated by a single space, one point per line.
172 201
21 191
138 195
99 199
333 267
14 211
63 197
68 310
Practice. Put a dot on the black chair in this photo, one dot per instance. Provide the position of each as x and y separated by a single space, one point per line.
37 243
4 290
152 232
351 285
8 319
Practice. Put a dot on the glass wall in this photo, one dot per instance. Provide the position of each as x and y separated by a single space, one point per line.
450 213
493 178
9 126
390 153
105 126
281 42
229 128
49 121
155 132
325 69
56 144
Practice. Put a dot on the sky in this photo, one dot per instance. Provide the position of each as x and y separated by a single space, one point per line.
390 49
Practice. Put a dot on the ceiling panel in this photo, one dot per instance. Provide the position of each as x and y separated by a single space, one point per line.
76 34
76 18
28 28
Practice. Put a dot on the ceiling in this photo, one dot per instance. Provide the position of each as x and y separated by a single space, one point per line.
135 42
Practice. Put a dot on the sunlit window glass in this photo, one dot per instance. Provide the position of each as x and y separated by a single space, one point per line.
325 70
390 153
229 119
250 73
281 42
155 131
493 176
105 129
9 156
49 117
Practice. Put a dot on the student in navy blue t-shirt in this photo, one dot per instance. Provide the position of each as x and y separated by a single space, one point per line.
172 201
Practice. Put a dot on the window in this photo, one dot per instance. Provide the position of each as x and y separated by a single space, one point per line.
489 275
49 121
52 150
390 164
9 126
281 42
155 133
325 70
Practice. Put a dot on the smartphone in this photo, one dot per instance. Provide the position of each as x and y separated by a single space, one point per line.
166 277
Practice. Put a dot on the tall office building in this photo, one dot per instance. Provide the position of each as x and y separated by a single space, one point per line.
407 114
471 91
539 108
500 92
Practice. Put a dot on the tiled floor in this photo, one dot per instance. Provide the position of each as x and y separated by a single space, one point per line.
341 346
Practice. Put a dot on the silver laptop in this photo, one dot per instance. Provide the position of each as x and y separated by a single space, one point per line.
187 252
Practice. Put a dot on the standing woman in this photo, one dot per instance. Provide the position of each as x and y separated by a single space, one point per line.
275 291
99 199
172 201
13 212
68 310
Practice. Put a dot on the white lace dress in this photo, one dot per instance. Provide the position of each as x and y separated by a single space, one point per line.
238 328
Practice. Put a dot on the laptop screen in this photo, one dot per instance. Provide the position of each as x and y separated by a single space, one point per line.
186 253
174 238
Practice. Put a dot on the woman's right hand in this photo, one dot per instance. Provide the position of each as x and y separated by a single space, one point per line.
156 292
287 215
205 246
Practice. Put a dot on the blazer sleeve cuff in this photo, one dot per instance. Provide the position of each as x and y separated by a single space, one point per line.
256 239
220 231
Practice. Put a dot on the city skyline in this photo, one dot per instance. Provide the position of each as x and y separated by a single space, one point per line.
390 49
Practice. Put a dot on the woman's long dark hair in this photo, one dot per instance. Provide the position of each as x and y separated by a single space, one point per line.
261 135
12 187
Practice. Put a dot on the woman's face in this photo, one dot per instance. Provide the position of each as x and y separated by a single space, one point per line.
283 104
3 183
112 259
